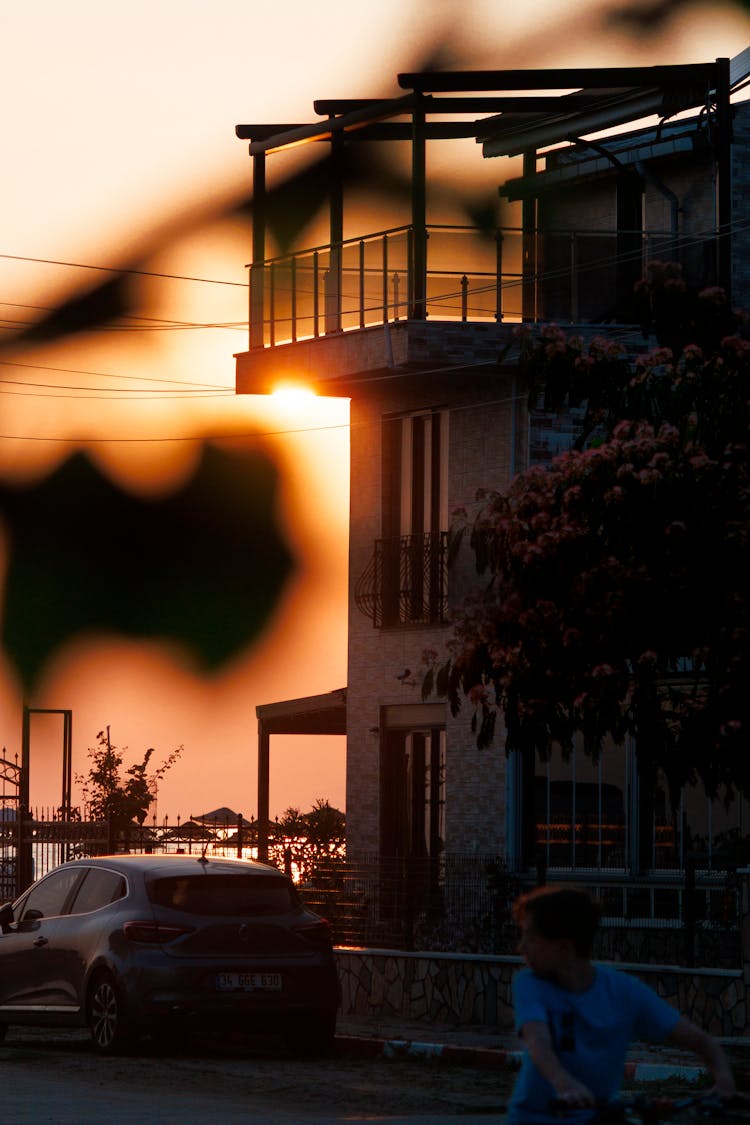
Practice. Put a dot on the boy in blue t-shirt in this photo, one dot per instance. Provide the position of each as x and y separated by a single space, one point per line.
578 1019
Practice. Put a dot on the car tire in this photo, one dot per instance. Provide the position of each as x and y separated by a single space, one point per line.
3 1031
312 1036
106 1018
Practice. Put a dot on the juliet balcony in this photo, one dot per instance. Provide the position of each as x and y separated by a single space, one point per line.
406 581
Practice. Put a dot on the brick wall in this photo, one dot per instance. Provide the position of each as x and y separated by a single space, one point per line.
485 433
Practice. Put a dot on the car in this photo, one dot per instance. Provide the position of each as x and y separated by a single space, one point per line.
135 945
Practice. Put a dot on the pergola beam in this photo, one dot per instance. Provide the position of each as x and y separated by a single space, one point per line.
557 78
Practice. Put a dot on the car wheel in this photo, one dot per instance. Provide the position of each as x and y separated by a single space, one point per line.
312 1036
106 1018
3 1031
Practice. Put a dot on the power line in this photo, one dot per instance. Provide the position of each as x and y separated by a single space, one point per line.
120 270
183 388
104 374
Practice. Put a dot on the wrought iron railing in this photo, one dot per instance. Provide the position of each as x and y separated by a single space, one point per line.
406 581
471 275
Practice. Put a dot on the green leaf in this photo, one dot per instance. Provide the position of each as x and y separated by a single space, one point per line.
202 566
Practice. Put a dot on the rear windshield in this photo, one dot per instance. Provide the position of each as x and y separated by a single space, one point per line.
225 894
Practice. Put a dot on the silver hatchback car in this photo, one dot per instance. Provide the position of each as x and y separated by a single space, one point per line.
131 944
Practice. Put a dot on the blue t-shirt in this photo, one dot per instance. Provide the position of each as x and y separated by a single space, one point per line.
591 1032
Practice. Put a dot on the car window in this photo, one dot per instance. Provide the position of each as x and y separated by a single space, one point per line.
50 894
99 888
225 894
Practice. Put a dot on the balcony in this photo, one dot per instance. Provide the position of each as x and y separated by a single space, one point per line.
502 276
406 581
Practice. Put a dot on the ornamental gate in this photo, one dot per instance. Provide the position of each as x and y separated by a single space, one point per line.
10 797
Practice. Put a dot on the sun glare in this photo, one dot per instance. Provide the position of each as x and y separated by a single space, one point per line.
292 394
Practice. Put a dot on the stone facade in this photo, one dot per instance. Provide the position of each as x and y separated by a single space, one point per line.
464 989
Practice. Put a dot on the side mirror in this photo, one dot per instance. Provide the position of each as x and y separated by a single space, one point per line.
6 917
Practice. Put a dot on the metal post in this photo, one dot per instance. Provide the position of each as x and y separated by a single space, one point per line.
361 283
724 169
499 276
293 285
257 269
419 211
240 840
385 280
529 297
272 307
336 219
263 785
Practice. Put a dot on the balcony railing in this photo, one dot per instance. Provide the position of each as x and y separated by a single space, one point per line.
406 581
506 275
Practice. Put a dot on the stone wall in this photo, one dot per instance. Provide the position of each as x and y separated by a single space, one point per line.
472 989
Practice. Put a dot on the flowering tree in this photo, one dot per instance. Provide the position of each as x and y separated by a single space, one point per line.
616 598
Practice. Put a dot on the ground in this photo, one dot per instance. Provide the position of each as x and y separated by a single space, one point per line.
266 1073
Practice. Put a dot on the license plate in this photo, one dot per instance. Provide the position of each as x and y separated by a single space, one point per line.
248 982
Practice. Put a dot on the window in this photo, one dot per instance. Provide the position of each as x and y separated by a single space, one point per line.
225 895
410 557
49 896
99 888
578 814
581 810
412 785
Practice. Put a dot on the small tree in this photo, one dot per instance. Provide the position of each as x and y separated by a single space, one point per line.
123 801
304 839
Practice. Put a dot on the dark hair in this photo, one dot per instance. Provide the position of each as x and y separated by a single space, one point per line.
561 912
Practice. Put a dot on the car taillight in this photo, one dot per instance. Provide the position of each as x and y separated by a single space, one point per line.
154 933
318 932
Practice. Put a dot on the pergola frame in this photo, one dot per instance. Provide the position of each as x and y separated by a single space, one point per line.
315 714
519 124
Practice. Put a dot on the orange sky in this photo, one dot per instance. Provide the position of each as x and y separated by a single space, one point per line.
118 141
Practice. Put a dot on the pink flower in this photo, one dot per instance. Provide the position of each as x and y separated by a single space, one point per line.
713 294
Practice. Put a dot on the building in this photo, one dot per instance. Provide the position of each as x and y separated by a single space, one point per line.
415 324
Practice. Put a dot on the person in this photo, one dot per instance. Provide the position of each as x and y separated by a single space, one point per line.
578 1019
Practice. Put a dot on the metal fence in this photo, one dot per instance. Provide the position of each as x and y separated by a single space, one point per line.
452 903
463 904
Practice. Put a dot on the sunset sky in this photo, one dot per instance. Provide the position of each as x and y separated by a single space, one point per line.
118 148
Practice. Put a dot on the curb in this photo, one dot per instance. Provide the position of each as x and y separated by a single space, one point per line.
659 1072
356 1046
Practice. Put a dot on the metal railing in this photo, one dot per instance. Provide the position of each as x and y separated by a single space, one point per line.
451 902
406 581
571 276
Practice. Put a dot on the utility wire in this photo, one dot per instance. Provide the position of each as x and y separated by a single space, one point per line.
121 270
